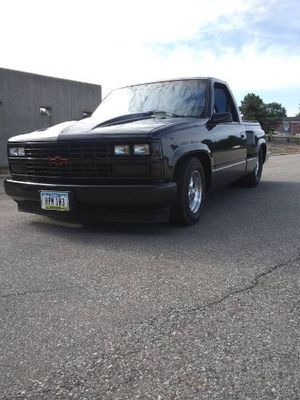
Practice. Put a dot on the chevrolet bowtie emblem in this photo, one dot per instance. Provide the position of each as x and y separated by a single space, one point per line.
58 161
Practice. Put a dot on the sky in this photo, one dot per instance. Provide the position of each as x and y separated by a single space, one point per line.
253 45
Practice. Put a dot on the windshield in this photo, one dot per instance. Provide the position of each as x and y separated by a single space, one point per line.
181 98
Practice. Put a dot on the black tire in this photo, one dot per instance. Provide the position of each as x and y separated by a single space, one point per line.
252 180
191 190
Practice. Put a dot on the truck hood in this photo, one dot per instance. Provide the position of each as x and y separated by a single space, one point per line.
90 128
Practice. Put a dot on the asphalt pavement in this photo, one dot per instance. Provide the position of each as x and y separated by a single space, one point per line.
155 311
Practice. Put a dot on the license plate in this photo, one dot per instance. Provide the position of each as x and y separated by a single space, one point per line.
58 201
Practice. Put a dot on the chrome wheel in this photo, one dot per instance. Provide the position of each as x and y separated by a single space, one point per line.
191 191
195 192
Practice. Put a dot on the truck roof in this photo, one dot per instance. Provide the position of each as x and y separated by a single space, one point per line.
178 79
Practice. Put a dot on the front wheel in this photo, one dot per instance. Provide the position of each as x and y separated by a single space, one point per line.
191 189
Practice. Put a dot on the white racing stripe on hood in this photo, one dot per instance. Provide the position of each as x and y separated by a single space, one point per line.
49 133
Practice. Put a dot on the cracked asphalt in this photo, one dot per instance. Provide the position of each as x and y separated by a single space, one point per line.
155 311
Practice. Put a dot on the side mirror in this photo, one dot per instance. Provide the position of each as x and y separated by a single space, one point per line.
220 118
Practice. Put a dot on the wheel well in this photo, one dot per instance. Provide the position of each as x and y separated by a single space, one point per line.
205 161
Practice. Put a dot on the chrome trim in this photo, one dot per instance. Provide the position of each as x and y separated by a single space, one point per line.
76 185
228 166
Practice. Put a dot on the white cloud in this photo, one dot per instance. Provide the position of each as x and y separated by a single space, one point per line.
120 42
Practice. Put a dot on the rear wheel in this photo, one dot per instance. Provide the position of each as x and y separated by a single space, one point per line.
253 179
191 189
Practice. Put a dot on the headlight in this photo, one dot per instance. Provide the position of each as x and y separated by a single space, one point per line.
16 151
141 149
122 150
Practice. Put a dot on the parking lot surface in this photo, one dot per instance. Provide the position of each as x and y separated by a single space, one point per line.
155 311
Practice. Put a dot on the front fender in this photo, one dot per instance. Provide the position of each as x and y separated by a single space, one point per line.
176 153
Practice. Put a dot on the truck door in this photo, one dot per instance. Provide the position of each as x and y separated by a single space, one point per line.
230 148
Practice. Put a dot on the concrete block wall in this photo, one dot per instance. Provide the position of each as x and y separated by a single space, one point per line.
22 94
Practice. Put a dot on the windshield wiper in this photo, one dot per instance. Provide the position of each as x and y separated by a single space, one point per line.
121 119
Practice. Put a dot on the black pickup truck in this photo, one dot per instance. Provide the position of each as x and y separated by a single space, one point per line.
150 152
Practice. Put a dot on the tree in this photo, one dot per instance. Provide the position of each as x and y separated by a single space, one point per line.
275 115
252 107
268 115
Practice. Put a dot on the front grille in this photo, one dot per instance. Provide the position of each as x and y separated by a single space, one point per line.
84 160
84 150
81 169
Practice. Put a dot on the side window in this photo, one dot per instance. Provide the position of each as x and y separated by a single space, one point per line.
223 102
220 100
